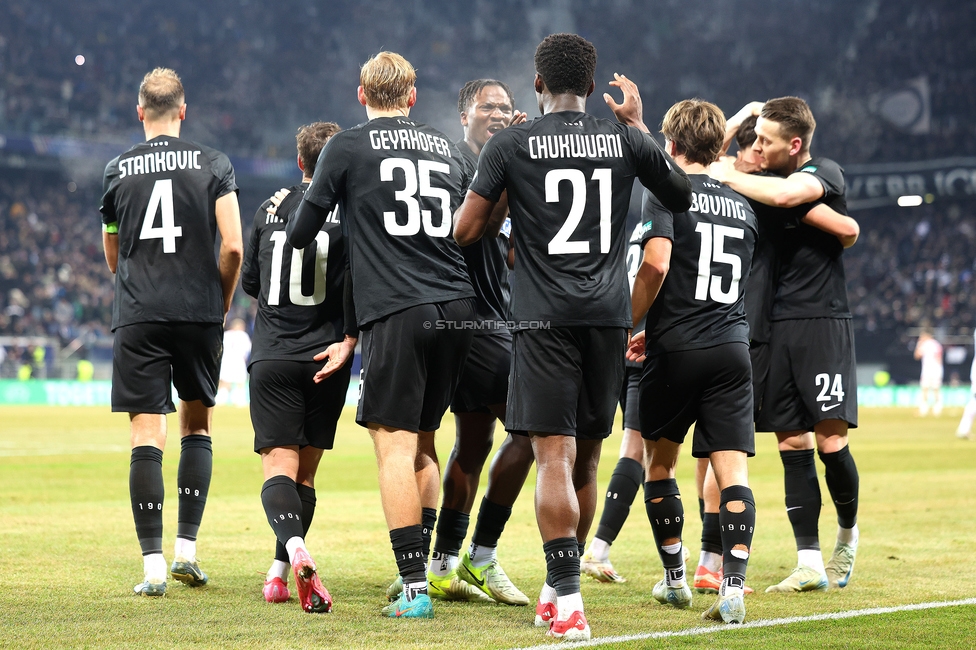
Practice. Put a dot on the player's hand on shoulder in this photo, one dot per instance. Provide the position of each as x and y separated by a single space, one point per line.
631 111
635 347
337 354
276 200
745 166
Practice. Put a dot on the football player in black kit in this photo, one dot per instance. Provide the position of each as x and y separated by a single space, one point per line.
294 409
568 177
399 182
811 384
164 201
697 368
486 106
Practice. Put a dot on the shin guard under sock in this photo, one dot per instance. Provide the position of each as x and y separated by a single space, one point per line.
193 483
146 495
627 478
738 521
802 497
842 483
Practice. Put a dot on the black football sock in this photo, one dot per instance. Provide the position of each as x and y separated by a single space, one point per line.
283 508
307 495
491 522
428 518
627 477
146 494
452 528
667 521
193 483
802 497
711 539
842 483
408 548
738 520
563 565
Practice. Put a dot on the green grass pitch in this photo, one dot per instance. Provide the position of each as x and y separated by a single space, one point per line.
69 556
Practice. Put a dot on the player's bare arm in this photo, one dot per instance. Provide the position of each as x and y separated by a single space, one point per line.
110 243
228 213
631 110
841 226
794 190
472 218
647 285
752 109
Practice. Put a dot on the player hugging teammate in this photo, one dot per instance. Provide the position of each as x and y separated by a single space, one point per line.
403 238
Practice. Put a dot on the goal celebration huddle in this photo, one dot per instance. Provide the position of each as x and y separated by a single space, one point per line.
497 277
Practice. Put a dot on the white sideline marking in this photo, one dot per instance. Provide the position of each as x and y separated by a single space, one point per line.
719 627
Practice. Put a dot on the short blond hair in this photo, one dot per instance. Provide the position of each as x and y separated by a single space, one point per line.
697 129
160 92
387 80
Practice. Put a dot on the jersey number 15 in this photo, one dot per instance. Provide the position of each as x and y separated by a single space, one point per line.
713 250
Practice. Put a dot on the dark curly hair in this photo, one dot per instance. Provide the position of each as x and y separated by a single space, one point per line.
472 88
566 63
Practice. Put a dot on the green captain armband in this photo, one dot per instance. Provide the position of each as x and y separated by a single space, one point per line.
111 228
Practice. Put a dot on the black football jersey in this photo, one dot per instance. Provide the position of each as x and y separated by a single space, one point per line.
569 177
300 299
701 302
487 262
810 277
161 196
399 182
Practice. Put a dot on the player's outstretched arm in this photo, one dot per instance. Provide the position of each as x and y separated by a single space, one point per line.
471 219
110 242
228 213
841 226
788 192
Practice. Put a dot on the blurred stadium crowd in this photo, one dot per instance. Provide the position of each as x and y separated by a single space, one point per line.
887 80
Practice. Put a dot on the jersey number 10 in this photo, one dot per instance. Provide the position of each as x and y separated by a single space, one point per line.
295 294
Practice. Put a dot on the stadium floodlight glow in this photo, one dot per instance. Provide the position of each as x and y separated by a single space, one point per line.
80 59
909 200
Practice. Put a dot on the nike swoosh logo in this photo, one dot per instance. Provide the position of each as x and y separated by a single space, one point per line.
481 583
824 407
794 508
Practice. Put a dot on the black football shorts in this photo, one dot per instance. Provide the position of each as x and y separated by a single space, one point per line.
566 381
710 388
759 354
149 358
412 362
288 408
484 380
630 397
812 375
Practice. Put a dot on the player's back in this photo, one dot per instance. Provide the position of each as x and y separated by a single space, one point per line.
569 177
399 182
701 303
162 196
810 272
300 293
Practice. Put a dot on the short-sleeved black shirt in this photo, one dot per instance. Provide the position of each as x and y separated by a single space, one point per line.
300 307
569 176
701 302
810 275
399 182
162 195
487 262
